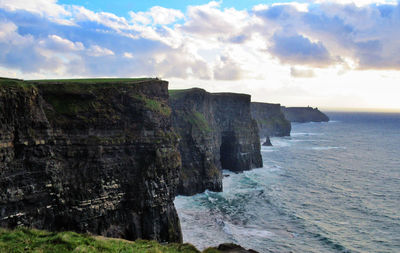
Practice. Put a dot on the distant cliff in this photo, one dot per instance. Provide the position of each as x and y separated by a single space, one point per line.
304 114
217 132
93 156
270 119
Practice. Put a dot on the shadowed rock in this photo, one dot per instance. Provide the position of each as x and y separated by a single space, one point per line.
217 132
270 119
234 248
93 156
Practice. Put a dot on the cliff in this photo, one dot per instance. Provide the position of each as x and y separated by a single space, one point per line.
304 114
217 132
94 156
270 119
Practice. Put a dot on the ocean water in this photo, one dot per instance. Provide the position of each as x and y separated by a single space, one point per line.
330 187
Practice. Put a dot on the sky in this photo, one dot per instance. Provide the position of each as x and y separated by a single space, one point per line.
320 53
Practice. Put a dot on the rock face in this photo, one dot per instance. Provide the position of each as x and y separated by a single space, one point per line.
97 156
270 119
304 114
217 132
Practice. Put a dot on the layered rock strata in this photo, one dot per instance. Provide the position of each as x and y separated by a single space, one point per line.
94 156
217 132
270 119
304 114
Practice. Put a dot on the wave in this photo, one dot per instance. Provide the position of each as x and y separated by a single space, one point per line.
331 243
293 134
327 148
281 142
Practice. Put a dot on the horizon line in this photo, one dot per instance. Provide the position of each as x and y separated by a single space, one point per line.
359 109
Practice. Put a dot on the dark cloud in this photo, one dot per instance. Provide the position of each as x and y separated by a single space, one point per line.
299 49
368 35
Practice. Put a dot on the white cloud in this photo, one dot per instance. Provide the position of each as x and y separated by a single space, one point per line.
57 43
9 35
302 7
157 16
128 55
227 69
98 51
42 7
109 20
210 20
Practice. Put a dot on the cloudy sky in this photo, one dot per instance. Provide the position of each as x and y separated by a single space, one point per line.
325 53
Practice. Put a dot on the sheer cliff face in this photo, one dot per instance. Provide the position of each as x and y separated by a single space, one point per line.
240 142
304 114
193 119
270 119
98 157
217 132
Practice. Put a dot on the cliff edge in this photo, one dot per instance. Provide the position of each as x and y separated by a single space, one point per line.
94 156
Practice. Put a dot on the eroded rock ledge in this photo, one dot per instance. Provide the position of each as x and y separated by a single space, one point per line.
304 114
89 156
217 132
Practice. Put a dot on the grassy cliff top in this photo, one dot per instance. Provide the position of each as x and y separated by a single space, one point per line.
32 240
91 80
85 82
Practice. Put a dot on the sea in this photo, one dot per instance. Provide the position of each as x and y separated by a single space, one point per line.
329 187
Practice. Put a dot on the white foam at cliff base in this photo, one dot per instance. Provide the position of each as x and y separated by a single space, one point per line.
280 142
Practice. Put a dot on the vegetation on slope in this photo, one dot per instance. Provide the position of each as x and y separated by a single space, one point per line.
91 80
73 96
32 240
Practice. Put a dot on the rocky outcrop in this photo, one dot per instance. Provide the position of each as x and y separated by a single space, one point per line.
270 119
94 156
217 132
304 114
233 248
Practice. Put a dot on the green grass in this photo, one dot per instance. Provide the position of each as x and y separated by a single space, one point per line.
9 82
32 240
176 93
157 107
197 120
73 84
91 80
153 105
